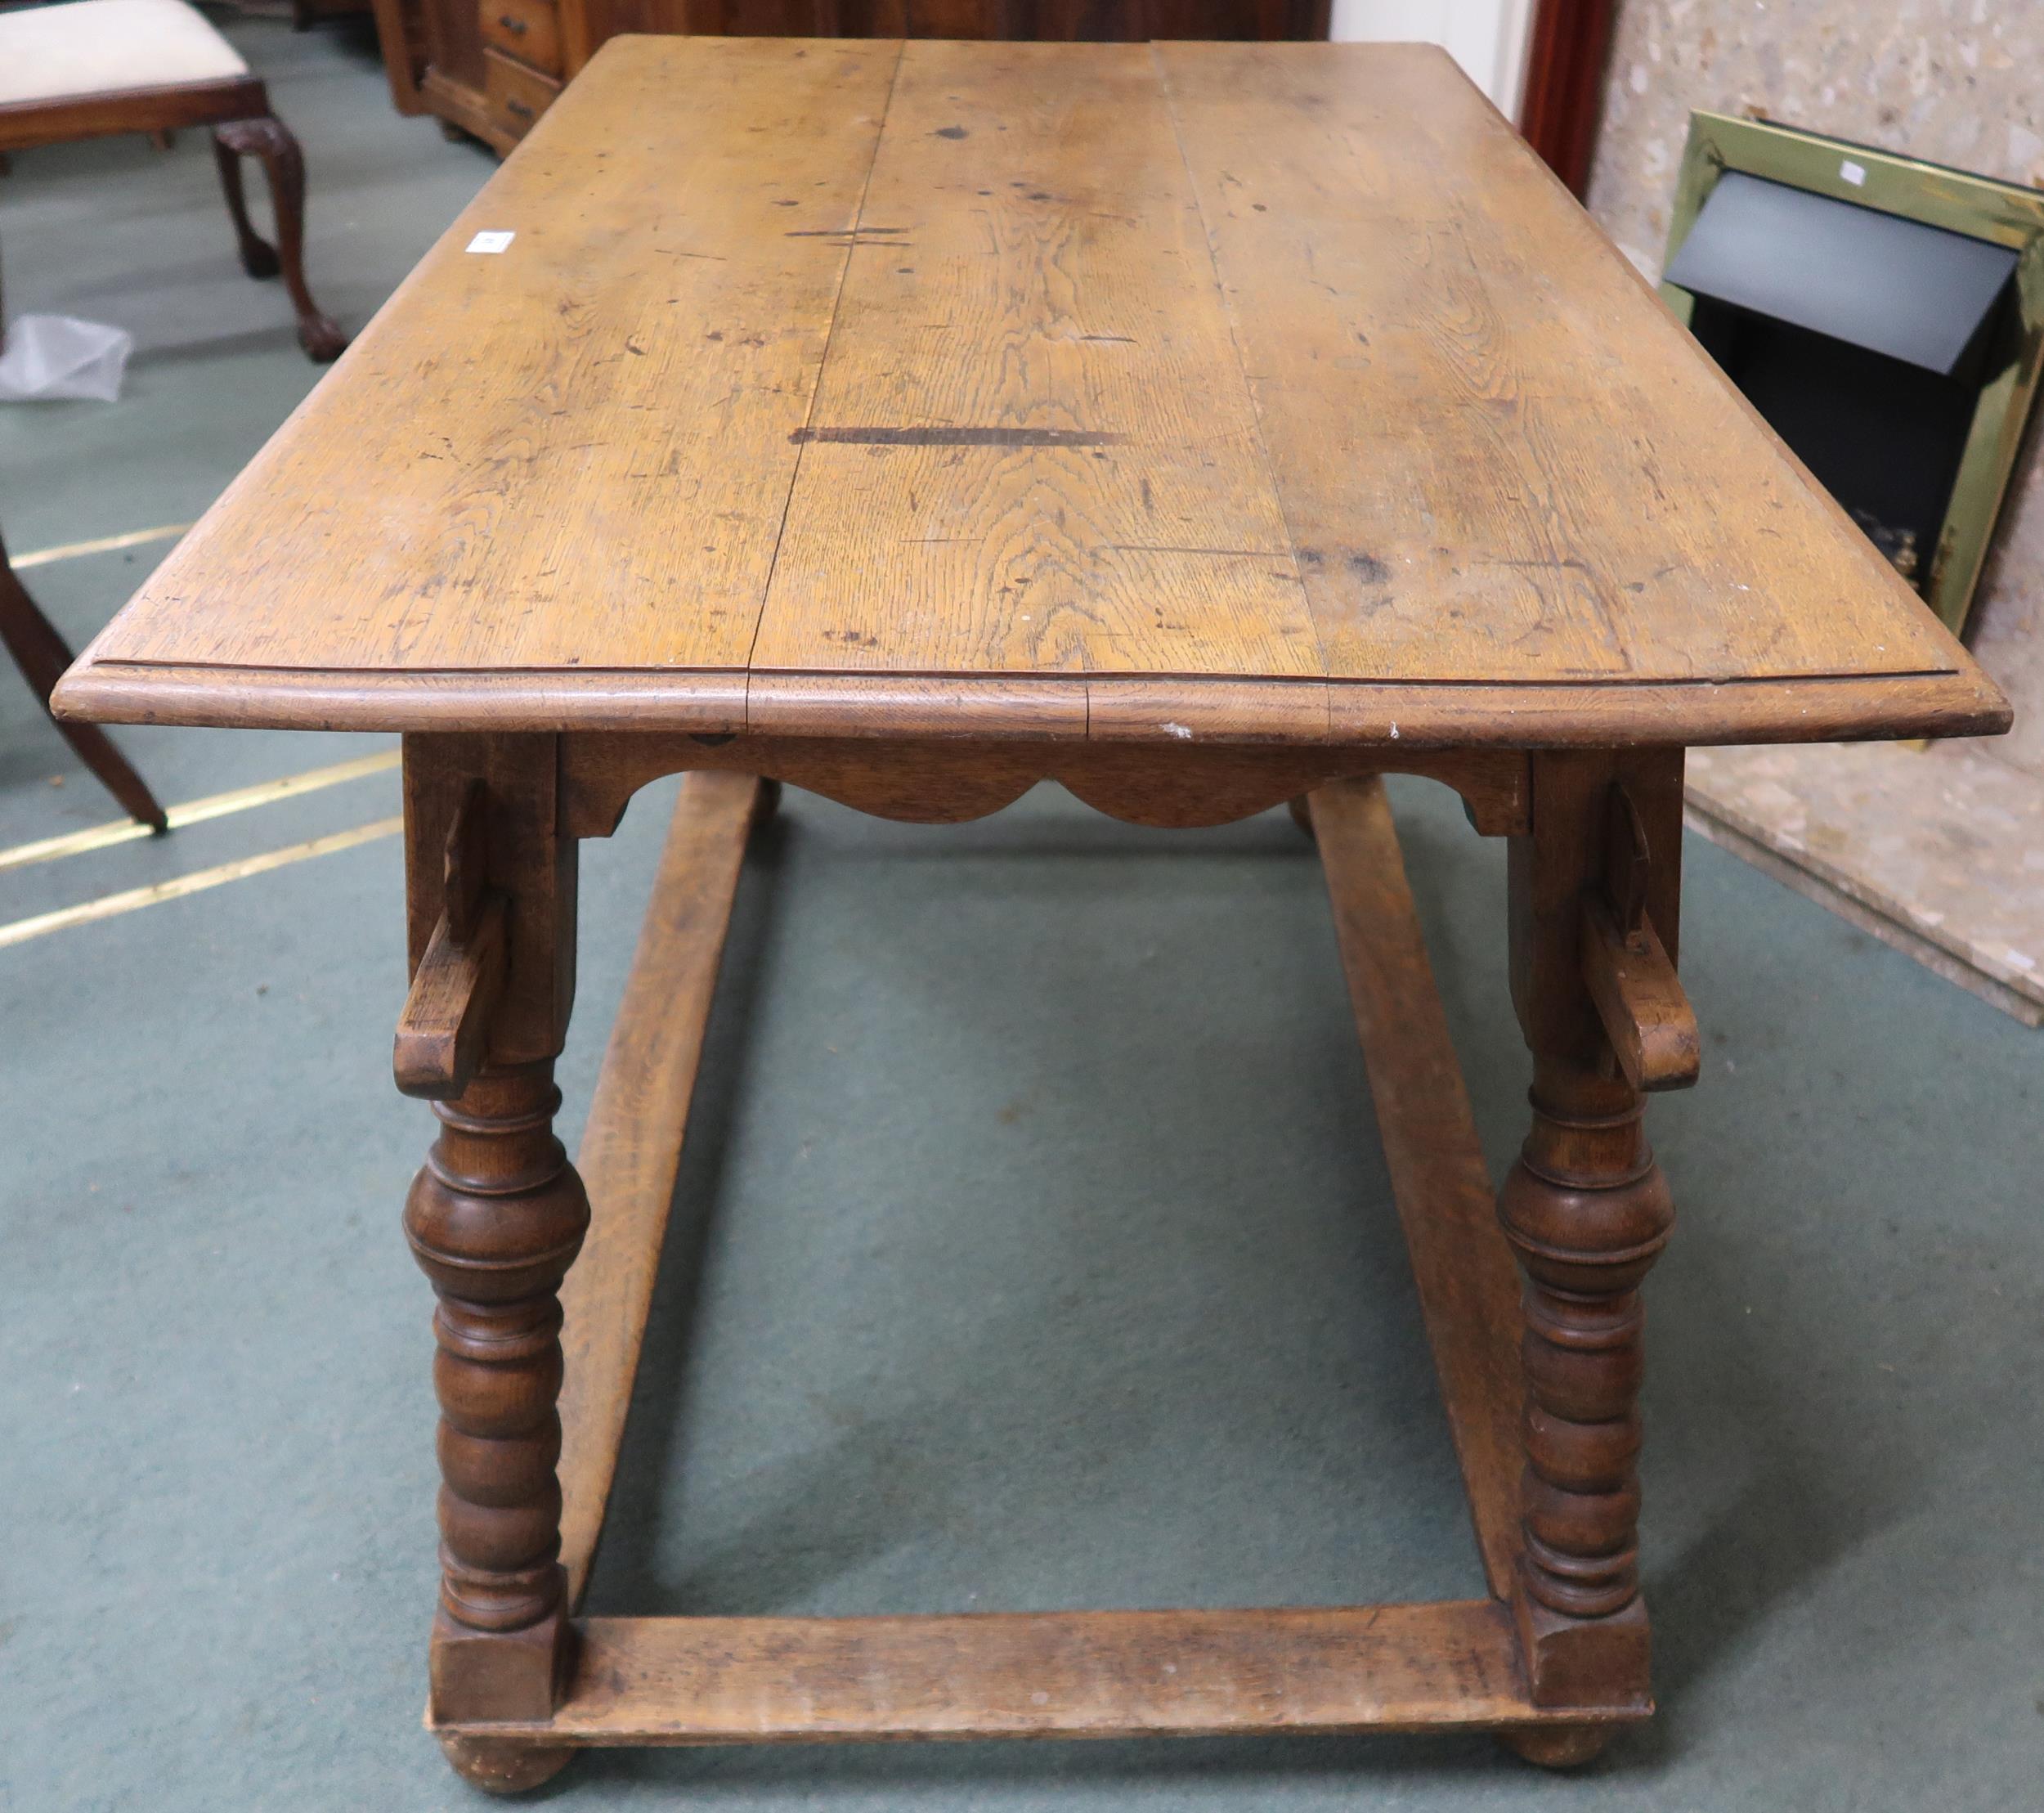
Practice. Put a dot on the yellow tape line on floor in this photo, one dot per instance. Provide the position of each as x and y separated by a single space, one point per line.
214 806
109 906
105 544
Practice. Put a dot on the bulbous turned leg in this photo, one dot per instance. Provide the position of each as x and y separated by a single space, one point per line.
494 1219
1586 1211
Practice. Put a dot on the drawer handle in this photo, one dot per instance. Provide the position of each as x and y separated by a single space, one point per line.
514 105
517 27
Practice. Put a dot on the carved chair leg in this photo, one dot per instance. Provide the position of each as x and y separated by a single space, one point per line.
41 655
269 139
258 256
1587 1212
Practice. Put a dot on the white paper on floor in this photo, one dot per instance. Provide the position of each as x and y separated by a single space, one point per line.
47 356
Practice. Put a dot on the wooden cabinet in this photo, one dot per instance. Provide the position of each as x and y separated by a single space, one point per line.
527 31
490 67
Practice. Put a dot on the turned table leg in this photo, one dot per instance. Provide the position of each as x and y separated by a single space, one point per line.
1586 1211
494 1219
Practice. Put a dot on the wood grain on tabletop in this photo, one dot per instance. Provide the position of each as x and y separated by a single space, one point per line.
1500 455
1034 447
1247 366
576 453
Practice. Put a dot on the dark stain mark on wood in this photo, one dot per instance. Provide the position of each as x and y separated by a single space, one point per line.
1369 568
959 437
952 131
1155 547
1115 339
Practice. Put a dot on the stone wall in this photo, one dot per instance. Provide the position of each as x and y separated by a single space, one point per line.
1958 82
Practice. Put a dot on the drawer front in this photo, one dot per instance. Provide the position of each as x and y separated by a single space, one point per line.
528 30
516 96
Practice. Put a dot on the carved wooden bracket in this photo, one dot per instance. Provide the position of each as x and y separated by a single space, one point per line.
444 1031
1630 977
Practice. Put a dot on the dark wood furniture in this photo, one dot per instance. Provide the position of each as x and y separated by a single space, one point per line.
39 651
1201 426
491 67
237 107
306 14
1568 50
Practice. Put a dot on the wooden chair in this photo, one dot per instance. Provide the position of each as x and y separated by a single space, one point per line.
41 655
92 68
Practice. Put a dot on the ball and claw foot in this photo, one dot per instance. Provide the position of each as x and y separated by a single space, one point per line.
500 1768
1559 1746
321 338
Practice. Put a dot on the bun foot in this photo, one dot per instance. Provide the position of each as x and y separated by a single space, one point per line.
499 1768
1559 1746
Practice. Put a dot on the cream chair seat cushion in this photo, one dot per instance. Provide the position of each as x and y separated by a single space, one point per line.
107 46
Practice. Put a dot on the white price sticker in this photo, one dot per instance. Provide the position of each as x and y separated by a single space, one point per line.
491 242
1854 173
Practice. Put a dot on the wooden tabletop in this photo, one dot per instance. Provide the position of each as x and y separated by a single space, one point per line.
1172 391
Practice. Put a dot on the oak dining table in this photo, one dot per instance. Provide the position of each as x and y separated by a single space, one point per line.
1203 427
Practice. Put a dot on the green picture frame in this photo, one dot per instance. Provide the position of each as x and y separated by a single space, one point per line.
2005 213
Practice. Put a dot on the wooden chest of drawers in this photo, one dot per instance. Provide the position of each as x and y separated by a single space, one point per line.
527 31
486 67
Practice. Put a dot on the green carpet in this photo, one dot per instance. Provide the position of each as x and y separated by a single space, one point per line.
1033 1246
